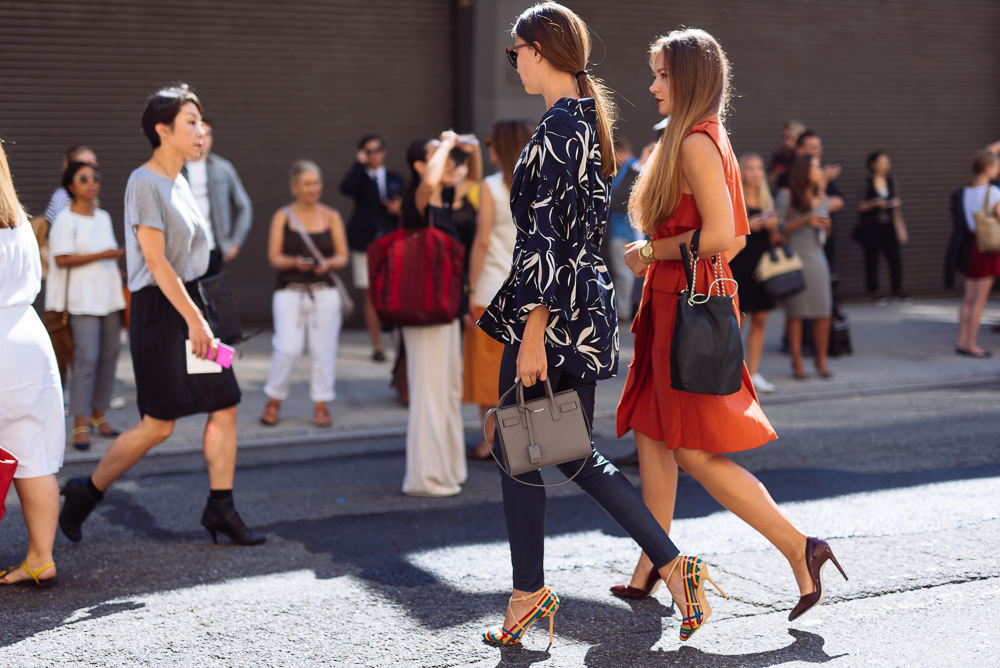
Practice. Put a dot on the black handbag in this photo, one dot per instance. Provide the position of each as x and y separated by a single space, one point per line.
706 351
220 309
780 273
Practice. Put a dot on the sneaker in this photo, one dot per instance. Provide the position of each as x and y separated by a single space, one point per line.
117 403
761 385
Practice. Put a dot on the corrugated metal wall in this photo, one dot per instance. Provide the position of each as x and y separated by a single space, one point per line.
281 81
916 79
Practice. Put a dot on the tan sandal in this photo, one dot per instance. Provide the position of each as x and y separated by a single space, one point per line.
270 415
322 416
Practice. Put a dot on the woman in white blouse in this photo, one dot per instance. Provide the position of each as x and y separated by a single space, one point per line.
83 246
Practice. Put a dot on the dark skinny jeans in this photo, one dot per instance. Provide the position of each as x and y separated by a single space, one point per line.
881 239
524 506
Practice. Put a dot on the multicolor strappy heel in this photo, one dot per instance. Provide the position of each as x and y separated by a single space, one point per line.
41 584
695 606
548 603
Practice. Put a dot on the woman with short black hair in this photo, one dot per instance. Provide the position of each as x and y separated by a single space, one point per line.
167 248
881 226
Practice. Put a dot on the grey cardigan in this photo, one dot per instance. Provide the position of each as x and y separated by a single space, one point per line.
231 211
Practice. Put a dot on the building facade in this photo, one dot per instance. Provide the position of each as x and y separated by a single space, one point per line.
306 78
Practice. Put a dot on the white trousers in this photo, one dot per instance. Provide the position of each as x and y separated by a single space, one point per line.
294 313
435 438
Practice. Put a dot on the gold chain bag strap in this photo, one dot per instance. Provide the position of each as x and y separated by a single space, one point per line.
541 432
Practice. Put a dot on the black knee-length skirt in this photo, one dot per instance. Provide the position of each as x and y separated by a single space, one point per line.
164 389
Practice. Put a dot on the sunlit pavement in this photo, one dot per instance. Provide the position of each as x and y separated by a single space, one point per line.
904 485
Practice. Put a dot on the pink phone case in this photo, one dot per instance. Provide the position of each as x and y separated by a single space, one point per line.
224 355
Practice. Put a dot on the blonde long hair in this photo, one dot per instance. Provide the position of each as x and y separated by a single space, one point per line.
563 39
698 72
10 207
764 199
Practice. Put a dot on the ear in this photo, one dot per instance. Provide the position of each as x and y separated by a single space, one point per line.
420 166
163 130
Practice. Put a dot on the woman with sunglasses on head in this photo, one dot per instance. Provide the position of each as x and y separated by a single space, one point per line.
167 251
690 185
555 313
83 243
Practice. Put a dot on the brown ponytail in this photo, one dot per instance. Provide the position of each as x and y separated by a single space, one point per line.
564 40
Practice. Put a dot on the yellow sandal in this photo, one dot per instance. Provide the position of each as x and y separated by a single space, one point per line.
41 584
76 432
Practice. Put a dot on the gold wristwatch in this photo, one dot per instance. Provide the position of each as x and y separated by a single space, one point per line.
646 253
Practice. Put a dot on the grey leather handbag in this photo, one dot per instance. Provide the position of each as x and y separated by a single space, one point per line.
542 432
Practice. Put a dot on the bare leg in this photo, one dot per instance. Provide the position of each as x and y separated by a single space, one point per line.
219 446
40 505
977 293
755 340
821 339
129 448
372 323
795 345
743 495
658 478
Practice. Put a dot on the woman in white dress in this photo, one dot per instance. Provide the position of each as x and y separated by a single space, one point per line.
83 244
31 419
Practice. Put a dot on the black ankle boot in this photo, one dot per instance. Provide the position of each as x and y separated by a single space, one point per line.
78 505
220 516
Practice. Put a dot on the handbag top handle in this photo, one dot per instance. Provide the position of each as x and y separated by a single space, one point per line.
690 262
521 406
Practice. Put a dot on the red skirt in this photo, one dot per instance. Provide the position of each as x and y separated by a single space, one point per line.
982 265
710 422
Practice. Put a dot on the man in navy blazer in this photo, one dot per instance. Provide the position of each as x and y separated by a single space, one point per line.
377 195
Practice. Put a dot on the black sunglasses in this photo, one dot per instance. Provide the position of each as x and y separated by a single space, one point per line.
84 179
512 54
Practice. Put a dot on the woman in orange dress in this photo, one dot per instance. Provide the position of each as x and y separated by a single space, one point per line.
692 182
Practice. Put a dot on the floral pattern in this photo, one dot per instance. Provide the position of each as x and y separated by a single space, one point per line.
560 202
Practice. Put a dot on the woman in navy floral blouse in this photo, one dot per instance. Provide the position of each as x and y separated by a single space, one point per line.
555 313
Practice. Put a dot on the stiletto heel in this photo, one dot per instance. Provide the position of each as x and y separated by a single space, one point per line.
211 532
694 608
818 553
547 605
221 516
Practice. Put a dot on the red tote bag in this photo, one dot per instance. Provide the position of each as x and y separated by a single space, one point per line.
415 277
8 464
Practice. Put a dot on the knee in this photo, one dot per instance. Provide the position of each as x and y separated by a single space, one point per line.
157 431
224 418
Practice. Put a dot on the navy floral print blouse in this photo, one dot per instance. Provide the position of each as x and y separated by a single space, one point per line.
559 201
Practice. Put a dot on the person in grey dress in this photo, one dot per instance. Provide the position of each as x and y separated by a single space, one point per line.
804 215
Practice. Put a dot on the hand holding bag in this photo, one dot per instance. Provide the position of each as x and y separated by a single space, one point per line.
542 432
8 464
779 272
987 227
706 351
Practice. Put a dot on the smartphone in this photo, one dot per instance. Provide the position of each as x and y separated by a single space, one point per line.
224 355
307 260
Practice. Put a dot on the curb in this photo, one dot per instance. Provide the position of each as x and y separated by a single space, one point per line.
399 431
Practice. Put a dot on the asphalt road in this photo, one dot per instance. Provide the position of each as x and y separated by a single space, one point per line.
356 574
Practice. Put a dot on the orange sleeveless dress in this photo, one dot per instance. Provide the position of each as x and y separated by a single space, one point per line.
649 405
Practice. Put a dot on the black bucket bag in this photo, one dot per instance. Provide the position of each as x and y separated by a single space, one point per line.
706 351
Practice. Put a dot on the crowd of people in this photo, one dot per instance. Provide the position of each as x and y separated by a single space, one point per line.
573 234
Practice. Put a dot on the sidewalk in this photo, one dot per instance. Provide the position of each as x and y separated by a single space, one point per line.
896 348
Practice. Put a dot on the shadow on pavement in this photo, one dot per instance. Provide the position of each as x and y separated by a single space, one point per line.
98 578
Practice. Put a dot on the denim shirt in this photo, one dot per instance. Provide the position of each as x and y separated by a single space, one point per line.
559 202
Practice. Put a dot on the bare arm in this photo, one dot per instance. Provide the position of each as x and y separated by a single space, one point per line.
275 240
532 364
470 144
704 173
339 237
484 225
80 260
153 246
434 171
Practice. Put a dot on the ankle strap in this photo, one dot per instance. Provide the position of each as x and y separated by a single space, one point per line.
34 574
530 596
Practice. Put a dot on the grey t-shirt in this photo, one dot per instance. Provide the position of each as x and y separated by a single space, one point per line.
155 201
